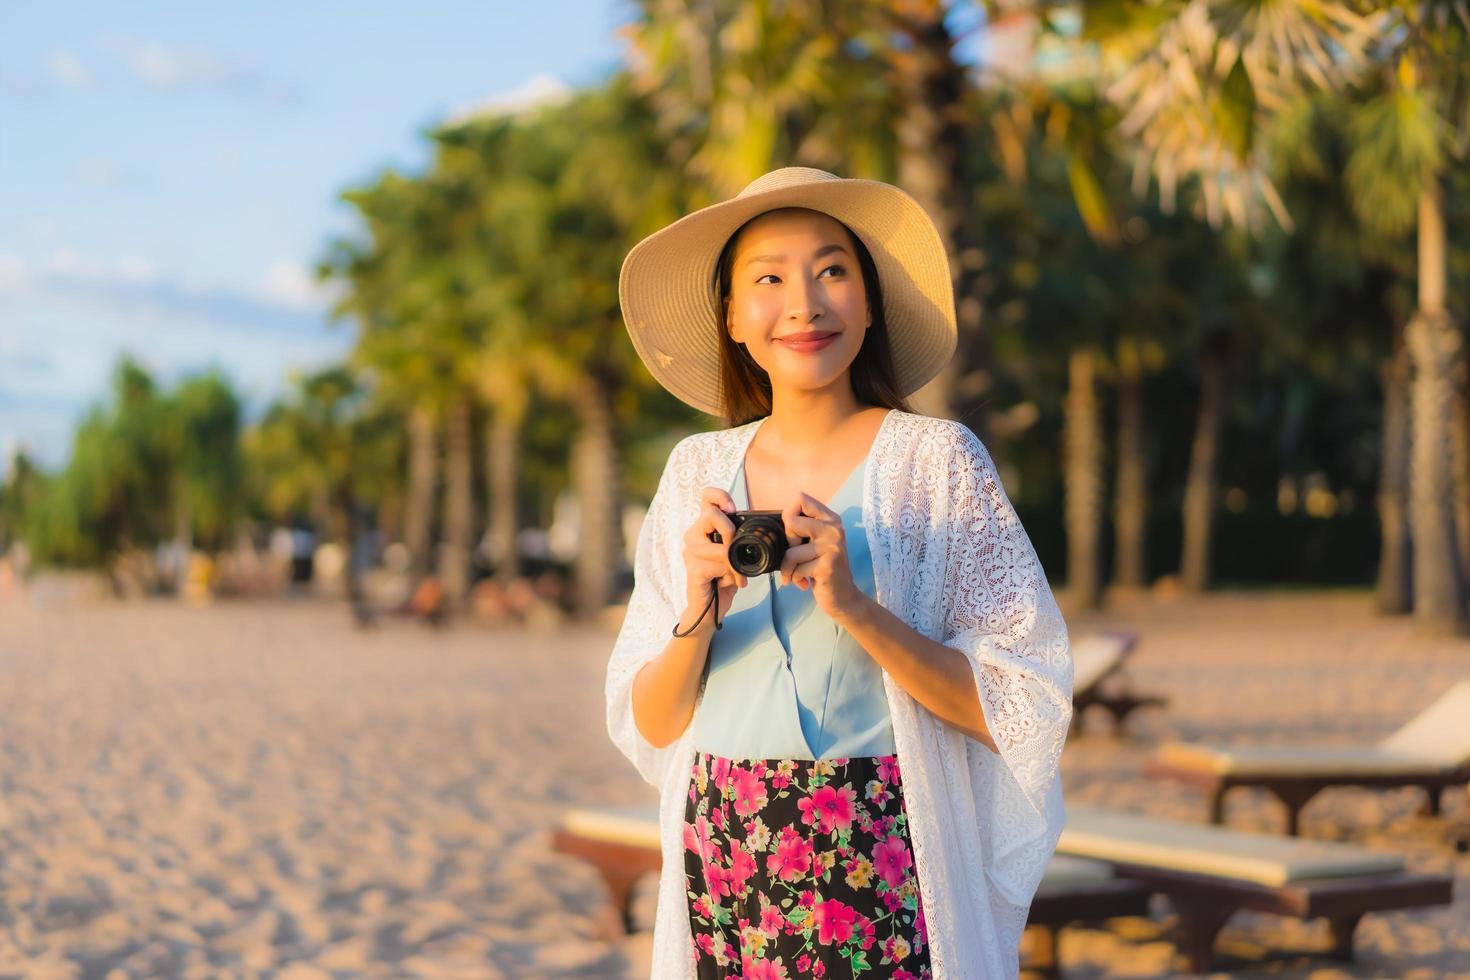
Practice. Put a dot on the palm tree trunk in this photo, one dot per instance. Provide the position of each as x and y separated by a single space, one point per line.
1434 346
1084 481
454 555
1395 592
502 457
931 139
598 486
419 520
1130 494
1199 486
1460 466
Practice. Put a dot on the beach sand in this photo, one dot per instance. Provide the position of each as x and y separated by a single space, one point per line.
258 789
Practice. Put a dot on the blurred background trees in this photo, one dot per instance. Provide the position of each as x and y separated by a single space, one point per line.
1210 261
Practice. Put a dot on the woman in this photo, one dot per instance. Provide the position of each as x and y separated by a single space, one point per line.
859 773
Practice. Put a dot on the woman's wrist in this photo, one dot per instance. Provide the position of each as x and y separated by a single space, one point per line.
694 611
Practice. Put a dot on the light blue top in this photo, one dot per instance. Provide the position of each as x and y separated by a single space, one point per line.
785 681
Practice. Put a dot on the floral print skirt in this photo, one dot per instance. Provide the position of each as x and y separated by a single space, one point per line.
801 868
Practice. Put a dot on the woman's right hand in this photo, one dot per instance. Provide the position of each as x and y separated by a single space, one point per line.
706 560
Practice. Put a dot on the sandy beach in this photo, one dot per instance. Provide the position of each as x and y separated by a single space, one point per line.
261 790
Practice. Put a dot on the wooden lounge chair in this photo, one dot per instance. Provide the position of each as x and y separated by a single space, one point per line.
1210 872
622 844
1097 659
1432 750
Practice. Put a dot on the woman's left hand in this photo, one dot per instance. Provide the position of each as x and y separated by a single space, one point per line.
820 565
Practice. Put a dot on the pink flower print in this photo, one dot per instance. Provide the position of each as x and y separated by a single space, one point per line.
716 879
717 817
891 901
702 845
750 792
803 963
771 920
839 807
792 858
721 774
807 899
868 931
921 927
891 859
834 921
742 866
762 969
706 942
888 769
829 808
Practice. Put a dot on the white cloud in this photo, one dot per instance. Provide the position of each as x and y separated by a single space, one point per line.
291 284
70 70
165 67
287 301
175 69
536 91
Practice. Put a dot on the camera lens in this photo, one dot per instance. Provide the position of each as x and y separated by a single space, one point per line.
758 547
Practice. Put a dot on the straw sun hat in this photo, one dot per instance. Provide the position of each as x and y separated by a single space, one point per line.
670 304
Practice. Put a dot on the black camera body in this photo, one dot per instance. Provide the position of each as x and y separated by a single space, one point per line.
759 543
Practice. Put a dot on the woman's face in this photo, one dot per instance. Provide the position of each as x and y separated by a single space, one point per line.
794 275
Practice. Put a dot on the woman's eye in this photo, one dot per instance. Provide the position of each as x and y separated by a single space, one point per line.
840 270
769 275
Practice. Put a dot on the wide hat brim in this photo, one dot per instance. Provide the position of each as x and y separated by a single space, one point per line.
672 311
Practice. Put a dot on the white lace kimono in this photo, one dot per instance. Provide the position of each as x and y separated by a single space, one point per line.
951 559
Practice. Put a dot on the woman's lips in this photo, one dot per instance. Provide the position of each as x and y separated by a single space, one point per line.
807 346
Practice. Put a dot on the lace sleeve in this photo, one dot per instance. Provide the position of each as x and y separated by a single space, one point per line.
1000 612
646 628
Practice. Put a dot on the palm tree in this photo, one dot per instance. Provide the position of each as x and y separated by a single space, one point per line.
1198 83
203 415
408 289
330 448
561 194
1408 134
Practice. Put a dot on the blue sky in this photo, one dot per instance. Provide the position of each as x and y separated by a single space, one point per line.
169 173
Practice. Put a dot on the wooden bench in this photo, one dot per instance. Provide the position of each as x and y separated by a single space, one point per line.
1432 750
1097 660
1208 873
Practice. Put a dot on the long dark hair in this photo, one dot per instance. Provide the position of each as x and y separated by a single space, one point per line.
745 387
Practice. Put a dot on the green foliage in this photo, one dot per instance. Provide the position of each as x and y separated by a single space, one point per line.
135 461
330 444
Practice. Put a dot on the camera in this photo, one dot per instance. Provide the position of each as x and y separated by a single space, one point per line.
759 543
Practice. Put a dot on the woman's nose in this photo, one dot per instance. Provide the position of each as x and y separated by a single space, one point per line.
803 301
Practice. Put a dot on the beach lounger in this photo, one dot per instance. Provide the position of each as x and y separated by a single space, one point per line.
1432 750
1096 660
622 844
1208 873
